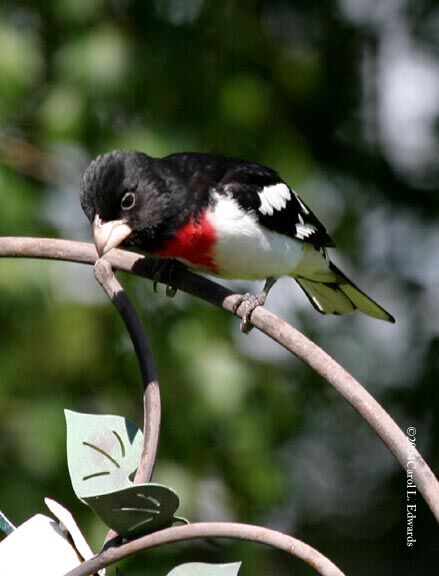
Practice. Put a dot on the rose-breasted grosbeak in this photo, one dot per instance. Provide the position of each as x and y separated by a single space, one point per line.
223 216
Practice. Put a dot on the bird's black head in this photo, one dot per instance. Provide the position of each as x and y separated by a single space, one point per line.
130 198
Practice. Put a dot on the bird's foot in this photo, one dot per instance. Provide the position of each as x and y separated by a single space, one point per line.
163 271
250 302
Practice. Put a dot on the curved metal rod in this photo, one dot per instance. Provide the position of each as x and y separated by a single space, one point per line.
229 530
280 331
151 391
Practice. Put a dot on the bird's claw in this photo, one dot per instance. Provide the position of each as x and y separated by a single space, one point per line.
163 269
251 302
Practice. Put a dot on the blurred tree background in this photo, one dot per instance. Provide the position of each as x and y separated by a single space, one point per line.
342 98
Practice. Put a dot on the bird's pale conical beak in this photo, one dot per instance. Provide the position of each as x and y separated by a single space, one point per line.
108 235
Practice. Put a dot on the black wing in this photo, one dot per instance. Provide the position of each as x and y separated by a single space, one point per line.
276 205
254 187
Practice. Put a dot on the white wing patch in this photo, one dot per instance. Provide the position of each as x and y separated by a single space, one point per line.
304 231
273 198
302 205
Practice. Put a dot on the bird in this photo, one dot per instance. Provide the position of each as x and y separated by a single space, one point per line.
230 218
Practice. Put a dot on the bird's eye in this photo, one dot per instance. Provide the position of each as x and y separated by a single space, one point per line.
128 201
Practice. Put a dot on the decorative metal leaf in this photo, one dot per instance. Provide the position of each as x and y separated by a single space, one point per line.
201 569
6 525
102 452
137 510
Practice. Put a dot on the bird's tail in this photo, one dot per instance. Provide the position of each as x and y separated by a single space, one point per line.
341 296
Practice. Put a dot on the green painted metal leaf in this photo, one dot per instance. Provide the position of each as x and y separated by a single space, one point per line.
202 569
137 510
102 452
6 525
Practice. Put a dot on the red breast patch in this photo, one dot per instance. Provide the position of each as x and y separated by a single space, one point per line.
193 242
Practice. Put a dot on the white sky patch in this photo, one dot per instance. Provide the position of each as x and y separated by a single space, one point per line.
179 13
408 102
273 198
404 81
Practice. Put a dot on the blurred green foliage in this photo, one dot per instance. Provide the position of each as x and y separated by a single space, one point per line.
248 434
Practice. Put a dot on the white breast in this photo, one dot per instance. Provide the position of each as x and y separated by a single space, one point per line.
246 250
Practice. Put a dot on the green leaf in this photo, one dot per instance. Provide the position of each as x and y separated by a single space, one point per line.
102 452
139 509
201 569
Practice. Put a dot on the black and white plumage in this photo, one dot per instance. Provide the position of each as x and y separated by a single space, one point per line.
224 216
